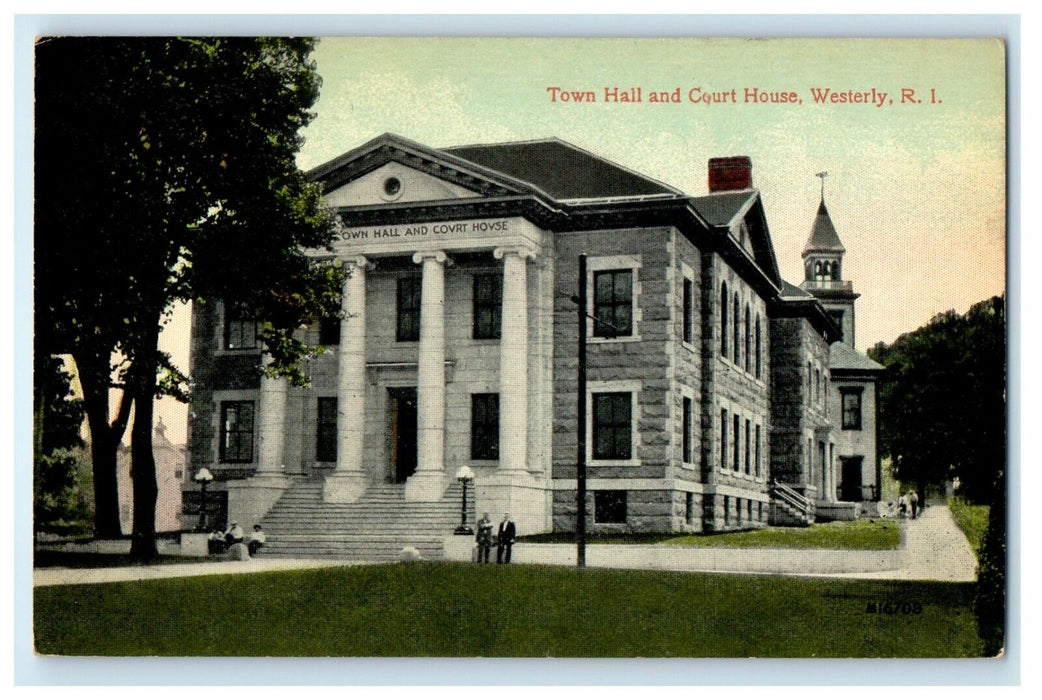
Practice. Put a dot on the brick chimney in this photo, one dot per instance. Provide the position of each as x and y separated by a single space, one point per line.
734 173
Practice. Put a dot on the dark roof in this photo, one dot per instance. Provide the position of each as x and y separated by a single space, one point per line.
721 207
792 291
844 357
561 170
823 237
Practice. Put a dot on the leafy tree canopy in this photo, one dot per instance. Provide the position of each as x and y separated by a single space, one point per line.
942 400
165 172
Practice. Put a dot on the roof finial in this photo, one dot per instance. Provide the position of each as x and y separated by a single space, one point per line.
823 174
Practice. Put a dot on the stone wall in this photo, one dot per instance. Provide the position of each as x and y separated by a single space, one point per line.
799 357
214 370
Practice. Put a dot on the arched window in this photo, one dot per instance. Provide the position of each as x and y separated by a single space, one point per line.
748 336
737 330
724 330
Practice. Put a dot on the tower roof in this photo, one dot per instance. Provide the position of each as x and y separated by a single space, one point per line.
823 237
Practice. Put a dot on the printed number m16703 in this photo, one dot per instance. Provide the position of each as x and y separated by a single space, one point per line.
894 607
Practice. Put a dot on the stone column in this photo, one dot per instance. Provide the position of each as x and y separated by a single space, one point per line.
271 424
348 481
513 361
429 482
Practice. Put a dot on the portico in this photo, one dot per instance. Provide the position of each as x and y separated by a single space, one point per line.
374 367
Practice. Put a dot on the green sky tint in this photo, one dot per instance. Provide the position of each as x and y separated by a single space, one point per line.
917 191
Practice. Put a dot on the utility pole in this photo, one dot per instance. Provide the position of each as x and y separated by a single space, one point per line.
580 470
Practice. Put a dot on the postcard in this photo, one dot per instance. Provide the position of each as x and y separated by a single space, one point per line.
520 347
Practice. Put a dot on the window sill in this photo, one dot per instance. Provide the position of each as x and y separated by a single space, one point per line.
590 462
621 339
237 351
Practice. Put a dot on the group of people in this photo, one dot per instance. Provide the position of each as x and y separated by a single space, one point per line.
908 506
220 540
503 540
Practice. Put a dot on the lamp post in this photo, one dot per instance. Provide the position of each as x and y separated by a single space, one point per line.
202 477
464 475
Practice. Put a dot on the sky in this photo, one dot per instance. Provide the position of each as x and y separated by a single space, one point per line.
916 181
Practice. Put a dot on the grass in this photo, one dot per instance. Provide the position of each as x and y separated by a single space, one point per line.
971 519
445 609
856 534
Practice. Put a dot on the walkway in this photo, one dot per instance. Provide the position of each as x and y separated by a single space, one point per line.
935 549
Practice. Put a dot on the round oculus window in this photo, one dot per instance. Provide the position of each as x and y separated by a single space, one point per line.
392 187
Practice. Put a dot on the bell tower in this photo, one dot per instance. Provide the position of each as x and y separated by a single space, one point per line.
823 270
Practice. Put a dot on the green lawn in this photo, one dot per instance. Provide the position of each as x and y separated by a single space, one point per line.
444 609
971 519
857 534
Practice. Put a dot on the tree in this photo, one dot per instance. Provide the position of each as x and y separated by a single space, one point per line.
56 424
166 172
942 400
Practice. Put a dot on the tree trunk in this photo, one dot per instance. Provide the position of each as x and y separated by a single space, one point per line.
104 441
143 475
143 462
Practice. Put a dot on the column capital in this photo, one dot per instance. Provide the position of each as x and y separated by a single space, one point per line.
436 255
521 251
358 261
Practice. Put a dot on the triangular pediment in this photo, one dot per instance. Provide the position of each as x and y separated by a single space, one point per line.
391 169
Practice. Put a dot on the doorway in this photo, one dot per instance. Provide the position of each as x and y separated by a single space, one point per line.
850 487
402 432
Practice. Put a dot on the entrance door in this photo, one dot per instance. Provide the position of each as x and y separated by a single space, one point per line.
403 432
850 488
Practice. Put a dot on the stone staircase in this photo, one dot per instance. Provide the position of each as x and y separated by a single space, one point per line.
375 528
790 508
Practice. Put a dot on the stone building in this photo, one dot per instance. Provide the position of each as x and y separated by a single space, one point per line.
707 373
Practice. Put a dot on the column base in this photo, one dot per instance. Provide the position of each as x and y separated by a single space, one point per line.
425 486
516 492
344 488
250 500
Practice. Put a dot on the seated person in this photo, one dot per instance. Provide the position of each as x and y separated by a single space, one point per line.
235 535
257 540
215 542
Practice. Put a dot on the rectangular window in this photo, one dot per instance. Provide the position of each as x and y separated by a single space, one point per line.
609 506
723 438
689 311
484 426
737 442
689 508
757 465
329 331
727 510
408 309
240 329
748 430
851 410
613 303
837 318
488 306
612 426
325 434
759 349
686 440
237 432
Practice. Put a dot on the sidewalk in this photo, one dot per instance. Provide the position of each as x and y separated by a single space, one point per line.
934 549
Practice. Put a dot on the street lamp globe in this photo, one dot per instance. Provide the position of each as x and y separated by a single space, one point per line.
202 477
